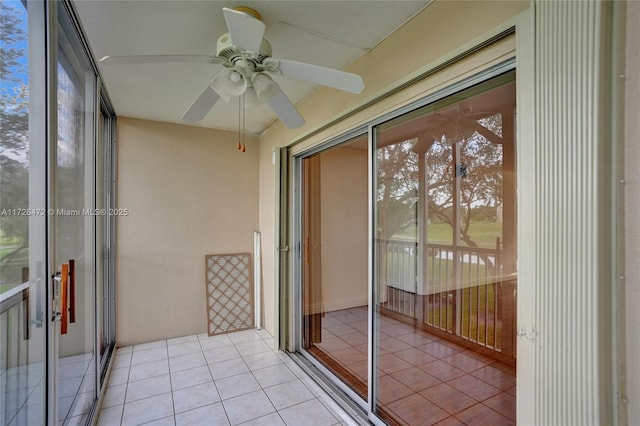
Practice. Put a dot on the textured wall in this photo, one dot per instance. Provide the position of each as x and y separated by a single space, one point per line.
344 229
572 240
189 192
632 210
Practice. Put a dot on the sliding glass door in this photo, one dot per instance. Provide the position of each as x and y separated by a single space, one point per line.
52 226
23 219
437 343
334 261
102 274
445 254
74 224
105 238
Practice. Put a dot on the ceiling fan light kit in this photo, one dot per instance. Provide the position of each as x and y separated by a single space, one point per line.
230 83
246 55
264 86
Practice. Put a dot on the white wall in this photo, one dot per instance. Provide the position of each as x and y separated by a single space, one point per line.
632 211
190 193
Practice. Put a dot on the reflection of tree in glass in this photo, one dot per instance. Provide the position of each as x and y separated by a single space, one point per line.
483 186
478 148
480 188
14 125
397 191
439 159
12 34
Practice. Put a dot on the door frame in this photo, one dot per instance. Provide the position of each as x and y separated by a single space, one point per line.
43 38
51 76
105 254
295 305
297 174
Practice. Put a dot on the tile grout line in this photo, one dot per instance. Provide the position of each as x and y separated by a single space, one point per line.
126 389
213 380
234 345
466 373
254 378
173 402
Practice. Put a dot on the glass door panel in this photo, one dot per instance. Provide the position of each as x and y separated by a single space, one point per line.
101 252
23 239
445 260
74 247
334 261
105 296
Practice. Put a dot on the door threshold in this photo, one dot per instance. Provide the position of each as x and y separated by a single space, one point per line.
344 401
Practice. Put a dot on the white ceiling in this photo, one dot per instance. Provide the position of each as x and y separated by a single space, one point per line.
327 33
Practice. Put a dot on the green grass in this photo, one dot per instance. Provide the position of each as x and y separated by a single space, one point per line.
7 287
478 315
11 270
10 241
477 298
5 251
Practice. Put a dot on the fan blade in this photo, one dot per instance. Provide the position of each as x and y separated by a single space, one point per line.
325 76
160 59
479 115
246 32
285 110
473 126
201 106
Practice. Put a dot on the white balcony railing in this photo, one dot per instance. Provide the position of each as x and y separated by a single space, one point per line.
454 289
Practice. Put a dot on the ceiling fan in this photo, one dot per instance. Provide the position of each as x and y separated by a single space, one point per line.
249 67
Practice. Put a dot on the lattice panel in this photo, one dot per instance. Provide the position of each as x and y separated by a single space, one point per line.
229 293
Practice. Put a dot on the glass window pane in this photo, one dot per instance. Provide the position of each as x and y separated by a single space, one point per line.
335 291
445 259
74 224
14 154
100 239
23 219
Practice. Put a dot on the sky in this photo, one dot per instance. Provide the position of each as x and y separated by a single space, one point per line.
17 9
19 72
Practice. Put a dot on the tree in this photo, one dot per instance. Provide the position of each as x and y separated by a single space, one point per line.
14 130
11 35
397 190
478 163
471 149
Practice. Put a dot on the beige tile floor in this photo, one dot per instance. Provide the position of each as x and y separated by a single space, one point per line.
198 380
423 379
23 392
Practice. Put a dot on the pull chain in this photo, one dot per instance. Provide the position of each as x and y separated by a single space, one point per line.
244 114
241 123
